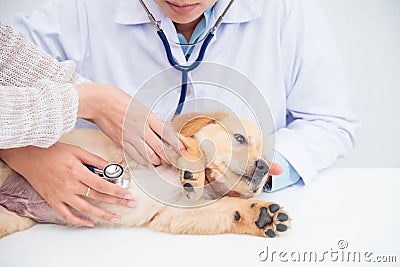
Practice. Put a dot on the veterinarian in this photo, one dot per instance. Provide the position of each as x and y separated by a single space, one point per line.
285 47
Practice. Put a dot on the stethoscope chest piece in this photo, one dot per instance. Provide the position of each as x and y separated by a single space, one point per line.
113 173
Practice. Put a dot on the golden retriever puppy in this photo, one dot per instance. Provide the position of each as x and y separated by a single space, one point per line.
203 192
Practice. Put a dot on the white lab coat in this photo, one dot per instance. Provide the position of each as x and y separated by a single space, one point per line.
284 47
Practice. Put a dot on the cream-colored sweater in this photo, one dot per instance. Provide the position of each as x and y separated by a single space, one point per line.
38 99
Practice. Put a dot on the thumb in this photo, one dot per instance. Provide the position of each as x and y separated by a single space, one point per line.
165 131
275 169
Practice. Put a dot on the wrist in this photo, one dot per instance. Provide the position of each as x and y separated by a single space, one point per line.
87 100
5 154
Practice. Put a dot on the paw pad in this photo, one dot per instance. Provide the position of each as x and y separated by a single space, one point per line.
188 187
273 208
270 219
270 233
187 175
236 217
281 228
263 219
282 217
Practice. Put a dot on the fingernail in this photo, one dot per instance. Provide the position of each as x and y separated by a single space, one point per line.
91 225
182 150
128 196
131 204
115 220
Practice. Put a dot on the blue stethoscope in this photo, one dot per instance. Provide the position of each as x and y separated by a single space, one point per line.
184 69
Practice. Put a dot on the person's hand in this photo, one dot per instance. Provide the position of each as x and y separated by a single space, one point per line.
57 173
274 170
143 132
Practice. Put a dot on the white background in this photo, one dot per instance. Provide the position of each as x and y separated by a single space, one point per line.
368 34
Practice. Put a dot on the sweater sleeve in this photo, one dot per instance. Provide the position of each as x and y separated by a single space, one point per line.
38 99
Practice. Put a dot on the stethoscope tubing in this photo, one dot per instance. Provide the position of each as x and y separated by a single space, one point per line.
93 169
184 69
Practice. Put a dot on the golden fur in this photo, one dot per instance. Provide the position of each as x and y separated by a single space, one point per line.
214 157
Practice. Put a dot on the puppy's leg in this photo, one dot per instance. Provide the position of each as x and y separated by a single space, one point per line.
11 222
228 215
191 166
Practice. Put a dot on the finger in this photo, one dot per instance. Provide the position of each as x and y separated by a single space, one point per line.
93 194
145 151
83 206
165 131
96 183
65 212
156 145
89 158
151 155
134 153
275 169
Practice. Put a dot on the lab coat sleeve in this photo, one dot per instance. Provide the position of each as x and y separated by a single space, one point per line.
320 122
59 28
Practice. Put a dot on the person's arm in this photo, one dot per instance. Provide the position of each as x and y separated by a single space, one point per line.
320 122
36 116
39 102
38 98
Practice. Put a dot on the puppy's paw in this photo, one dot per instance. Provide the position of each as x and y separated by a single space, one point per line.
192 183
260 218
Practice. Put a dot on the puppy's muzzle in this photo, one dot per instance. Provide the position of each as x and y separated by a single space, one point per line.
259 176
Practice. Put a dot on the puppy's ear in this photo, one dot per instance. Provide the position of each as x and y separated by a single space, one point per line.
189 124
192 126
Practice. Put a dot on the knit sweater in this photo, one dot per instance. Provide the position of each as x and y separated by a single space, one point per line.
38 99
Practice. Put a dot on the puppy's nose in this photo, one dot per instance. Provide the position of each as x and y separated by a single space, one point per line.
260 171
261 167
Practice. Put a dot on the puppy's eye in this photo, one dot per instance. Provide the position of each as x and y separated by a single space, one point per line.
240 138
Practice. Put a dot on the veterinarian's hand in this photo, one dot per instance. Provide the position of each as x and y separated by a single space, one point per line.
144 134
59 176
107 106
